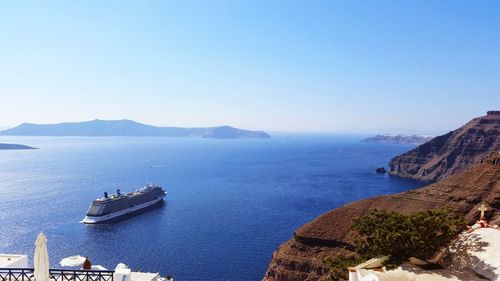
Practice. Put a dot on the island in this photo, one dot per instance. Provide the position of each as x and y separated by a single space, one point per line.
399 139
15 146
98 128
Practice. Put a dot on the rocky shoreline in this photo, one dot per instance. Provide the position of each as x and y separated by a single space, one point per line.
452 152
301 258
472 178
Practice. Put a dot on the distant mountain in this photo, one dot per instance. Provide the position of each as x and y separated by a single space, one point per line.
399 139
14 146
128 128
450 153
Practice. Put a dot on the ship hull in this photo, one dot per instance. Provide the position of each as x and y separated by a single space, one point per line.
122 213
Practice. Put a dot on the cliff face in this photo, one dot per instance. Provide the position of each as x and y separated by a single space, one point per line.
300 258
450 153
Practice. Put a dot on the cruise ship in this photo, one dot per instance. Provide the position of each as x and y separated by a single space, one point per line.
117 205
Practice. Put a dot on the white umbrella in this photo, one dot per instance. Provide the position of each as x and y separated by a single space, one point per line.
72 261
41 262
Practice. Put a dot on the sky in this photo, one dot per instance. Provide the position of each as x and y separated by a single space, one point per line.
304 66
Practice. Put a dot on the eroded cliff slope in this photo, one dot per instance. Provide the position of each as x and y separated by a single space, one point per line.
450 153
301 258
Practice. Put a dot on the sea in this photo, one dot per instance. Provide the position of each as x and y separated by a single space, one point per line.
230 202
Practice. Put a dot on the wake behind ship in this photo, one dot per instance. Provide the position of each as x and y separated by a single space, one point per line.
119 205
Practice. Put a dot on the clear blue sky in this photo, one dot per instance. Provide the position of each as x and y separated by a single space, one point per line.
274 65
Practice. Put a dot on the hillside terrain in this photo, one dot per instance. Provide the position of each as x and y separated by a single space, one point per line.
450 153
471 157
330 235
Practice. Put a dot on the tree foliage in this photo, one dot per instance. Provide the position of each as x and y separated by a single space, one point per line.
338 266
400 236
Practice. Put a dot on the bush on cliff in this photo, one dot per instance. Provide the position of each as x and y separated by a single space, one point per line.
401 236
338 266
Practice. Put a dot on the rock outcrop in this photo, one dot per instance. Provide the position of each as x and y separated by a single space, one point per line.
450 153
301 258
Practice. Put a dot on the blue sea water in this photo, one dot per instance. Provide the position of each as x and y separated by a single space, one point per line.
230 203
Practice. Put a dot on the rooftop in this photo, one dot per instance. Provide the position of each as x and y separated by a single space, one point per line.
10 260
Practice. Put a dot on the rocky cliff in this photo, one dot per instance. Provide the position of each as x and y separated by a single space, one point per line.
450 153
300 258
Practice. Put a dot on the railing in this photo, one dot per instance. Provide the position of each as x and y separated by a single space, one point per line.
26 274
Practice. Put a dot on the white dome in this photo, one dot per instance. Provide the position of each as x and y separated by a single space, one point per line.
121 266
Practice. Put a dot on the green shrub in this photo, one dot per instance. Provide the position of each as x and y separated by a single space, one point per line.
401 236
338 266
